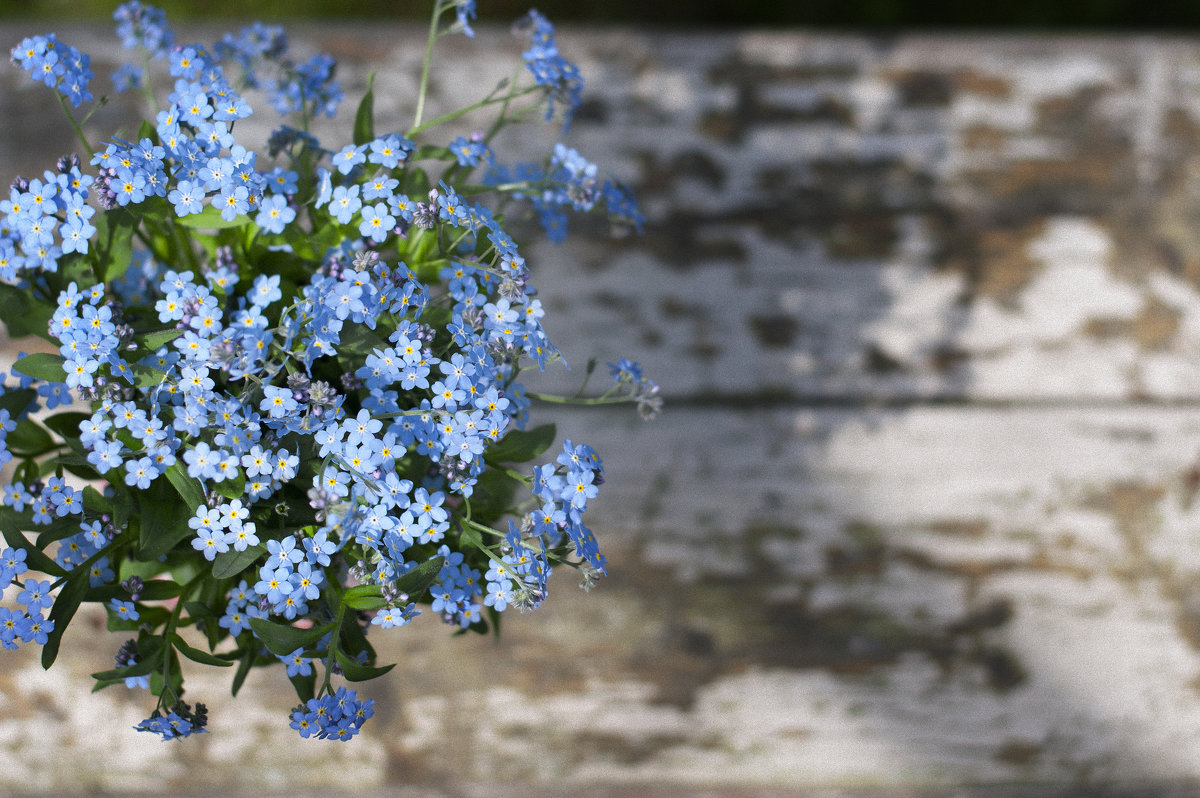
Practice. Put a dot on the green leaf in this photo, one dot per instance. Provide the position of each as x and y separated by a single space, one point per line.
163 516
70 595
431 152
521 446
364 119
305 686
283 640
232 488
358 340
43 366
153 590
244 667
61 528
17 317
471 537
210 219
416 182
188 487
232 563
29 439
10 528
140 669
112 251
158 686
198 609
145 376
16 400
198 655
492 497
364 597
66 424
359 673
95 501
151 341
420 578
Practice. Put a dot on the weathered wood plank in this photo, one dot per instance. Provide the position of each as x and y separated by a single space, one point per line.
833 216
805 594
904 599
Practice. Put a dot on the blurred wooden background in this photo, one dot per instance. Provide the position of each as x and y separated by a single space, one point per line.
918 518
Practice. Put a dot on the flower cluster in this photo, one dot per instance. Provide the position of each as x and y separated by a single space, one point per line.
336 716
291 376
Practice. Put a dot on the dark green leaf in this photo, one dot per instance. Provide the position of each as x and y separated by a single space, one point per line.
152 590
175 685
10 526
305 686
43 366
492 498
283 640
188 487
198 609
59 529
198 655
70 595
17 313
164 511
16 400
141 669
232 488
112 250
210 219
364 597
364 119
416 183
144 376
151 341
66 424
29 439
470 537
94 501
359 673
357 339
420 578
521 446
232 563
244 668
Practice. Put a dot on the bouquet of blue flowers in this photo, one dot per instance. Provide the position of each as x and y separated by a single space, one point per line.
285 408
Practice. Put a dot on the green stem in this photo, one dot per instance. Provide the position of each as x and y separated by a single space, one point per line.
147 88
424 90
62 101
449 117
172 624
575 400
478 527
508 98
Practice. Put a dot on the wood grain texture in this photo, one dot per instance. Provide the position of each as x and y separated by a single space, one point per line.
919 515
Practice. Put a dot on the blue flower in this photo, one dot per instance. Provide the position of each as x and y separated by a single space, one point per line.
124 610
210 542
347 158
376 222
277 402
35 595
274 214
187 197
234 201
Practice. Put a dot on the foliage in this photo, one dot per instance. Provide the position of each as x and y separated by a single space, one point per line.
285 407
